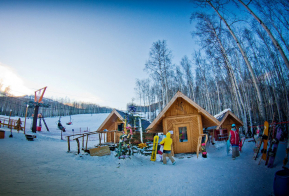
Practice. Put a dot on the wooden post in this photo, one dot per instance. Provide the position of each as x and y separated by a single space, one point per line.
86 142
11 135
83 141
78 147
68 141
114 136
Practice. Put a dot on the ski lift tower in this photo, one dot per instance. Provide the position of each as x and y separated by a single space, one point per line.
36 104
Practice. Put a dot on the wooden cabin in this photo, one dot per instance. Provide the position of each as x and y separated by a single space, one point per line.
186 119
221 131
113 125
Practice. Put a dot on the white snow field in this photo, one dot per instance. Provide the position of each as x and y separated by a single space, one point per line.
44 167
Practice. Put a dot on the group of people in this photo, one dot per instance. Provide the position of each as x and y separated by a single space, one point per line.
234 139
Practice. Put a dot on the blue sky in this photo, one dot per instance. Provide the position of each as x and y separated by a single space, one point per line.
89 50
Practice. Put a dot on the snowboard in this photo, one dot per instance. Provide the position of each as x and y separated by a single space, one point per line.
285 161
155 148
273 136
273 151
260 140
257 147
265 140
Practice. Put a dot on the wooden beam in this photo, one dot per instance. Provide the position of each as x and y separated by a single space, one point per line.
78 146
86 141
114 137
83 141
68 141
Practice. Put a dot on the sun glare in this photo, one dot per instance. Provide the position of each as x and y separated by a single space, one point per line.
8 77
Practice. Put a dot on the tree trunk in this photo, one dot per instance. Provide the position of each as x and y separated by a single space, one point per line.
261 103
275 42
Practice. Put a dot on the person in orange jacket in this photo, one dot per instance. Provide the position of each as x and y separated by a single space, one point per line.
167 142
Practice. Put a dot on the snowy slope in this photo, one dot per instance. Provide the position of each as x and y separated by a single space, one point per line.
43 167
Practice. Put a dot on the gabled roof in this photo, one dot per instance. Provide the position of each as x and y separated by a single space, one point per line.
222 116
121 116
114 112
210 120
229 113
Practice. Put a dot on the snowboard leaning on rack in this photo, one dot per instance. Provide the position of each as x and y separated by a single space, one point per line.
260 140
257 147
265 141
285 161
272 152
155 148
272 136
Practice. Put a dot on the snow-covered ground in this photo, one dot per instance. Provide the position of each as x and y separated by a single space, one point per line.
44 167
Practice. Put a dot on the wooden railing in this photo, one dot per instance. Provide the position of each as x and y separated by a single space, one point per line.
87 134
9 123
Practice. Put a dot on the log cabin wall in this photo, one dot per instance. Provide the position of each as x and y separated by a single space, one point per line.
110 136
180 116
228 123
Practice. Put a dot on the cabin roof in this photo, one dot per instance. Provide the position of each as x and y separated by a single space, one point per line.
223 116
121 116
207 118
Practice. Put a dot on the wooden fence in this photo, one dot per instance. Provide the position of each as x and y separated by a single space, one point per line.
9 123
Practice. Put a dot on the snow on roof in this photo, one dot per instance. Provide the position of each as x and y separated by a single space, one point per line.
221 113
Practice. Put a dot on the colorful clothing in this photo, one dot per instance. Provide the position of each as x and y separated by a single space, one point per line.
167 142
235 140
234 137
167 148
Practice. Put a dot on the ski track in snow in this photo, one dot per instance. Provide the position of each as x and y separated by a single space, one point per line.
44 167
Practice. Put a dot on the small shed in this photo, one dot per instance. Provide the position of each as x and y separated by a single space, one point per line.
226 118
186 120
113 125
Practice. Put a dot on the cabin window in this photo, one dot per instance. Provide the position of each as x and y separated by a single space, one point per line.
183 136
120 127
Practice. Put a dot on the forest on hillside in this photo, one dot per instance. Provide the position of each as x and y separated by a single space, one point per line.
50 107
242 63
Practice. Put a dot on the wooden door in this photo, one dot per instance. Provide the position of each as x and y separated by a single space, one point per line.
182 138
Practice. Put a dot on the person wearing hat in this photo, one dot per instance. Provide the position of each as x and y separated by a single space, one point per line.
234 139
